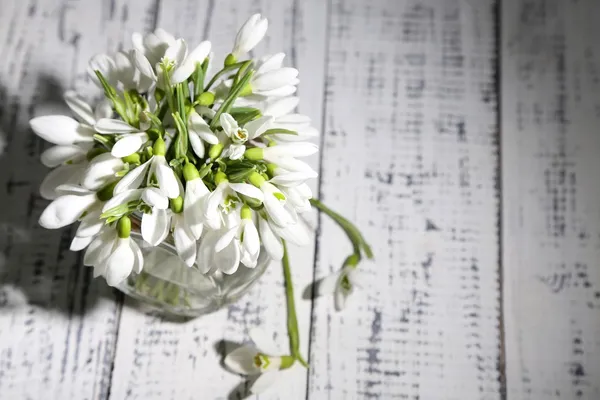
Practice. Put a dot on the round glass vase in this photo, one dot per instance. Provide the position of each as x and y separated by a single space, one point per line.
168 285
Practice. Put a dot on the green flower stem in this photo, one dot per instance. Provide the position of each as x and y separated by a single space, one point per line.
233 94
221 72
292 320
358 241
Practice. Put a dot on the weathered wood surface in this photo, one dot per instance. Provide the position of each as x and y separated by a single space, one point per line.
411 101
405 93
551 197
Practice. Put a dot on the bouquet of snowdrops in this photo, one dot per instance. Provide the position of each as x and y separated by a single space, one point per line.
214 161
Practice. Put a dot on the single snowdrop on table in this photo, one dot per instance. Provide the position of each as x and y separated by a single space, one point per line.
207 167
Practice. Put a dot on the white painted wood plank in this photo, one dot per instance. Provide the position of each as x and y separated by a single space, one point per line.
410 138
57 326
550 146
158 359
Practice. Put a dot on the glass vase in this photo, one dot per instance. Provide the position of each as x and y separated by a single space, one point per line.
167 284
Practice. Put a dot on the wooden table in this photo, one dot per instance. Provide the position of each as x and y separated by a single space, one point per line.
477 119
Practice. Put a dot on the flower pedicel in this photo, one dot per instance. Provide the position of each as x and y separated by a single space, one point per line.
215 162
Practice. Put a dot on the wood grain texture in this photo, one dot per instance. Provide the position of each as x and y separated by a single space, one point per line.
410 100
57 326
551 197
174 360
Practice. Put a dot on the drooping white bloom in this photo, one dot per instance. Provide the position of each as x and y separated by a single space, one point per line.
242 239
270 240
181 64
273 80
284 156
196 193
274 202
239 136
249 35
153 45
298 197
259 359
341 284
156 166
224 199
101 171
67 208
114 257
199 133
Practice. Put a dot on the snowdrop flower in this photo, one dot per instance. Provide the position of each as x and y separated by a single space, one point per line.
260 360
196 193
299 197
284 178
284 155
156 166
270 240
239 136
153 45
240 243
114 254
226 260
101 171
179 63
341 284
249 35
131 139
200 133
281 110
224 199
104 64
273 80
67 208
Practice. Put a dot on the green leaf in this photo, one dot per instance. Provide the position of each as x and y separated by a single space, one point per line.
181 140
198 79
243 115
233 94
221 72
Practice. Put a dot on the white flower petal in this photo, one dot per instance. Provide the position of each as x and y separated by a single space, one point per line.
61 130
143 65
120 263
193 205
122 198
291 164
327 285
188 66
225 239
292 179
176 52
167 181
103 110
80 243
155 197
270 63
279 92
250 34
80 108
129 144
228 259
251 241
185 243
68 188
95 250
274 79
133 179
241 361
201 128
271 241
229 124
65 174
138 263
290 150
258 126
340 297
197 144
109 126
247 190
282 106
65 210
276 211
90 225
105 65
155 226
235 151
264 381
57 155
206 251
101 170
294 233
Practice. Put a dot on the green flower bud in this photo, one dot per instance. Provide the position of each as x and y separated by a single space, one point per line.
220 177
229 60
215 151
246 213
124 227
256 179
206 99
287 361
106 193
254 154
246 90
271 169
132 158
279 196
190 172
159 148
352 260
177 205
